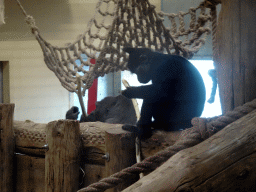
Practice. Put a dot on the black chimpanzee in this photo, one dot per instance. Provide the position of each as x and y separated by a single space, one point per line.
176 95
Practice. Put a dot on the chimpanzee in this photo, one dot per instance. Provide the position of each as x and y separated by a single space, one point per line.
111 109
176 95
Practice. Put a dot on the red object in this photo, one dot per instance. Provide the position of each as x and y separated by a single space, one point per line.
92 93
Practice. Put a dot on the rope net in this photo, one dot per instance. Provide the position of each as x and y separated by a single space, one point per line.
117 24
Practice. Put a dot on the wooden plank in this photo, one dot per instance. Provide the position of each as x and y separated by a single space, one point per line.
6 82
30 173
235 66
1 82
224 56
93 155
92 174
7 145
235 53
92 150
30 139
120 145
248 47
62 160
225 162
158 142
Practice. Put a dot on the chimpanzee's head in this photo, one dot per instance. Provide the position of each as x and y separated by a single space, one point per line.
140 63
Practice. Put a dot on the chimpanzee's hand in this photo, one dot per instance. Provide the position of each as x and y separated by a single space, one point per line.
72 113
128 92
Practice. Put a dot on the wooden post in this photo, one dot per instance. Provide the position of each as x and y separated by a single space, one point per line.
235 53
30 173
120 145
62 158
7 145
225 162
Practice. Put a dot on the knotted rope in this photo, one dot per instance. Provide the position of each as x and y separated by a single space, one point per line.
133 23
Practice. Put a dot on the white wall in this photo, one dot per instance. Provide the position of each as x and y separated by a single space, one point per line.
35 90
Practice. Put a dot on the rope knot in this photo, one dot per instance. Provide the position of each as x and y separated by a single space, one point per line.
200 125
31 22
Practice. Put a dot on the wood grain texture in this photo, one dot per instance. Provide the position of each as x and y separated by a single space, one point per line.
7 145
235 53
30 173
62 159
225 162
1 82
93 173
120 145
158 142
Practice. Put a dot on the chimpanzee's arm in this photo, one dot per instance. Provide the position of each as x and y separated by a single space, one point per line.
151 93
137 92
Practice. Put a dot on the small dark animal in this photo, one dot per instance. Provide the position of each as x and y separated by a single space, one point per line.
72 113
176 95
117 110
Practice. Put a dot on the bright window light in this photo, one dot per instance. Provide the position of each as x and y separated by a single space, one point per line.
214 109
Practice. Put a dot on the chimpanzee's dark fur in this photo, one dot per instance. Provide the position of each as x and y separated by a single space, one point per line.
72 113
176 95
110 110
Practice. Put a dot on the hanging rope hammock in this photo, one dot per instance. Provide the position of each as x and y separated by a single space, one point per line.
134 23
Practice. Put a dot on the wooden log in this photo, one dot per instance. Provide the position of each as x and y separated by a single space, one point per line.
235 53
31 137
7 145
93 155
30 173
93 173
225 162
120 145
158 142
62 158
